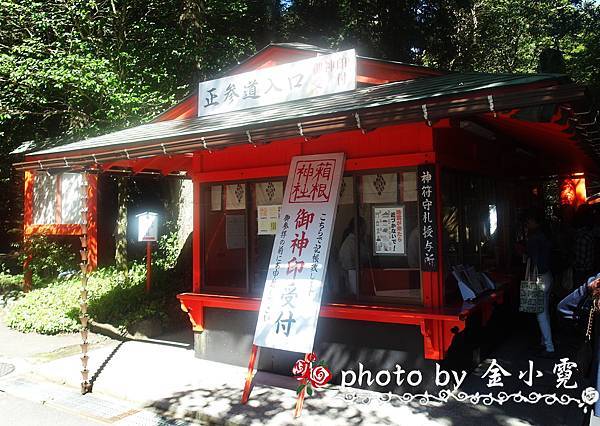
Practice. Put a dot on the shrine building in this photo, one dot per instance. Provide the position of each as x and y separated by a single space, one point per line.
438 168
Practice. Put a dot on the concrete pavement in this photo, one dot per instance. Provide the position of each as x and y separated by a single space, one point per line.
158 382
23 412
170 380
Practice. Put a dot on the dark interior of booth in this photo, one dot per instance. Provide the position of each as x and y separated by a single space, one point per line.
365 265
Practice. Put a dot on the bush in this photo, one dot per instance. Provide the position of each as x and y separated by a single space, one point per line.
115 297
10 283
49 258
167 252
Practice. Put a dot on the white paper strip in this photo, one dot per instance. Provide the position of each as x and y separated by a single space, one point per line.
235 197
380 188
269 193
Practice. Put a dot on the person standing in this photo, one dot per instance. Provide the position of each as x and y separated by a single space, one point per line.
572 308
539 250
347 255
583 249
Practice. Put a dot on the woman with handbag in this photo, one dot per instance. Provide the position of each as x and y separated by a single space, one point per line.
539 250
581 306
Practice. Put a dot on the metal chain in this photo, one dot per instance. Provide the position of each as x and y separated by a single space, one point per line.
83 300
588 333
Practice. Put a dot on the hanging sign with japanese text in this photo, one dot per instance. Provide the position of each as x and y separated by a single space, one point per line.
321 75
291 300
426 191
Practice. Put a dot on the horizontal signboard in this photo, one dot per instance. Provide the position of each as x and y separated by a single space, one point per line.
321 75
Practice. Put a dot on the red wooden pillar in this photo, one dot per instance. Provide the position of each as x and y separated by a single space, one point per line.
196 240
92 222
438 278
27 221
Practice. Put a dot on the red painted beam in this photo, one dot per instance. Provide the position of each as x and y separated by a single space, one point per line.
438 325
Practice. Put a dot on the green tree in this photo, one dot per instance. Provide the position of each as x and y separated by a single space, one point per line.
75 68
511 35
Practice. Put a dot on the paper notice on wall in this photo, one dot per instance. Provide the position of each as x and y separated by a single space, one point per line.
235 231
267 219
388 230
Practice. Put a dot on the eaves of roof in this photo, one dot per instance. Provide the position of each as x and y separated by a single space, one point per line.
420 99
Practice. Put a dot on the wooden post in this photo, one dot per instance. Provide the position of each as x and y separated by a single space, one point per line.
196 241
92 220
250 374
148 264
27 221
27 272
301 395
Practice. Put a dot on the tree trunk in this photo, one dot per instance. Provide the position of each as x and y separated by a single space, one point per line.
121 228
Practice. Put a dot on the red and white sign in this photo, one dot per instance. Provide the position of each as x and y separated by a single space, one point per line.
291 300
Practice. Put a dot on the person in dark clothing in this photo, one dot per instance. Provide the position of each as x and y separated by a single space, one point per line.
539 250
583 248
570 309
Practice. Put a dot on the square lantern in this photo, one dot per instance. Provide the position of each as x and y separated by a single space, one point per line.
147 226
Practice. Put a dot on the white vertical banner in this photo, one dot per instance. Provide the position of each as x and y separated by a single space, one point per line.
291 300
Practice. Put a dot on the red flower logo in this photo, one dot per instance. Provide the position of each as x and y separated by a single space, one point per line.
311 378
319 376
301 369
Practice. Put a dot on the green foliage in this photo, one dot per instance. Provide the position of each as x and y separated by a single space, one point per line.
49 257
72 69
168 251
10 283
115 297
78 68
510 35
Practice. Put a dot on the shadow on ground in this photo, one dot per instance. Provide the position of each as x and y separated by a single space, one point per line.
274 405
